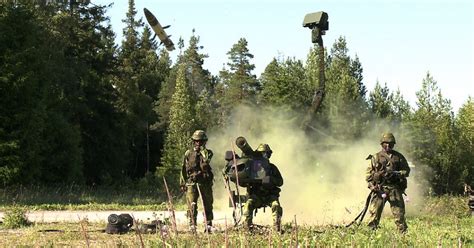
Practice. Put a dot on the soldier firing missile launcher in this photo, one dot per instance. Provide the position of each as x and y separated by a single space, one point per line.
251 168
159 30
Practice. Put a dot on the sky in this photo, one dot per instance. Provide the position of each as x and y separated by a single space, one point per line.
397 41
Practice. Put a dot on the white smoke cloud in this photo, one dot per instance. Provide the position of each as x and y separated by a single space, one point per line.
322 184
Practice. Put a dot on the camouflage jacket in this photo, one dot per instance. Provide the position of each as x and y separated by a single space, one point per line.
272 188
388 169
196 167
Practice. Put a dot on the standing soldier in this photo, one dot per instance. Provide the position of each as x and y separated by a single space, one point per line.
266 193
196 172
386 176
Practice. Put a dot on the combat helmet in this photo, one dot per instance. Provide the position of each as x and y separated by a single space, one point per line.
387 138
199 135
264 148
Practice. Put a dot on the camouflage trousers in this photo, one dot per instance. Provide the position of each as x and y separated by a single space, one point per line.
395 197
255 201
192 195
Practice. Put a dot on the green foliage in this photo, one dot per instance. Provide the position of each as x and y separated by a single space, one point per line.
380 101
449 206
10 162
74 107
390 107
147 193
312 69
200 83
344 104
237 85
432 139
89 45
284 85
35 96
181 124
15 217
465 124
141 73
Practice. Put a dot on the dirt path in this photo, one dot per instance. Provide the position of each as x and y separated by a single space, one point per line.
101 216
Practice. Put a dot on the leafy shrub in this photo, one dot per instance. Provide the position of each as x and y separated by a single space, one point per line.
15 217
447 206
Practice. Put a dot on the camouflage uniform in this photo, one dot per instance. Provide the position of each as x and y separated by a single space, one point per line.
196 171
265 194
386 176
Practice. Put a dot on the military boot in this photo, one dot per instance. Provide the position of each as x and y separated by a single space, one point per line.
372 226
248 225
209 227
192 225
402 228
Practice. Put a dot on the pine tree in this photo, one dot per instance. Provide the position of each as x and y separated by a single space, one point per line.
91 51
357 73
401 108
312 69
181 125
388 106
284 85
39 142
201 84
199 78
153 73
237 84
142 74
163 104
465 124
432 138
344 106
380 101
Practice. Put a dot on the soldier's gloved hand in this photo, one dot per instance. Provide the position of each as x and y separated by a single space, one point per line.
374 188
196 175
183 187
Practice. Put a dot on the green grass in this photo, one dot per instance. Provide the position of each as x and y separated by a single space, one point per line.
15 217
426 231
441 221
87 198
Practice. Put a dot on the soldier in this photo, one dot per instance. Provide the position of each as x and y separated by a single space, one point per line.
470 194
266 193
386 176
196 172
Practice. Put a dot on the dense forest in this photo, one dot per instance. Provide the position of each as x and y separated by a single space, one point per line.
77 108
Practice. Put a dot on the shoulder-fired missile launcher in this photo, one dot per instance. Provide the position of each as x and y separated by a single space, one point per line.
249 169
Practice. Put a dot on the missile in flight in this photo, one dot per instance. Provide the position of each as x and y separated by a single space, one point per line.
159 30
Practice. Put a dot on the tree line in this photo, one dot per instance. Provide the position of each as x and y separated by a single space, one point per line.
76 107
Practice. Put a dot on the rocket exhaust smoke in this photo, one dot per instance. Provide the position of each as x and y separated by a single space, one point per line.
323 184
